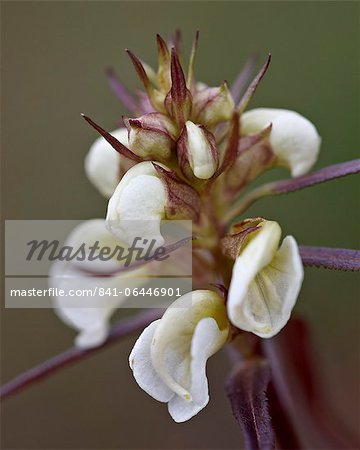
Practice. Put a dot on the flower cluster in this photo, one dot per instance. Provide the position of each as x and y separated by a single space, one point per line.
188 153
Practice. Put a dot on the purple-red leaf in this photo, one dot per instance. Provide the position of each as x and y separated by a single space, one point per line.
120 91
295 184
238 86
322 175
330 258
117 145
296 380
253 85
246 388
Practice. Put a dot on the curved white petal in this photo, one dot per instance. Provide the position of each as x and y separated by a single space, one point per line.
92 319
205 342
86 313
265 306
141 365
256 255
172 339
102 163
201 159
169 359
293 138
138 205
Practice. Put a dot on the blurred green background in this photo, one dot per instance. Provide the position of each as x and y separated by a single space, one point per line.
52 60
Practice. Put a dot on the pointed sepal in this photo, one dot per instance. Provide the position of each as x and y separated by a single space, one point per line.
178 101
117 145
253 86
183 201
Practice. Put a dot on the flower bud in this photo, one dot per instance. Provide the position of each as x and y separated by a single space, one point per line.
102 163
196 147
152 136
293 139
213 105
169 358
265 280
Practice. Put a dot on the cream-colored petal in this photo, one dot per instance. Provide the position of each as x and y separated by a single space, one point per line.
255 120
138 205
171 347
92 319
143 371
293 139
92 337
295 142
256 255
102 163
266 306
201 159
89 314
206 341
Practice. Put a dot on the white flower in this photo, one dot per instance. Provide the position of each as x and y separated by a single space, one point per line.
169 358
293 139
200 152
265 282
138 205
91 320
102 163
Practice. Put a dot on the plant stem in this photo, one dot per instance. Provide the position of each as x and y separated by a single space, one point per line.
122 329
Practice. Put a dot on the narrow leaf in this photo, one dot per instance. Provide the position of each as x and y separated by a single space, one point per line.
253 85
246 388
330 258
117 145
295 184
322 175
120 91
243 78
190 76
295 375
286 434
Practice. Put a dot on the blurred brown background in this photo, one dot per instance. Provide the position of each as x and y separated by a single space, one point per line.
52 60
